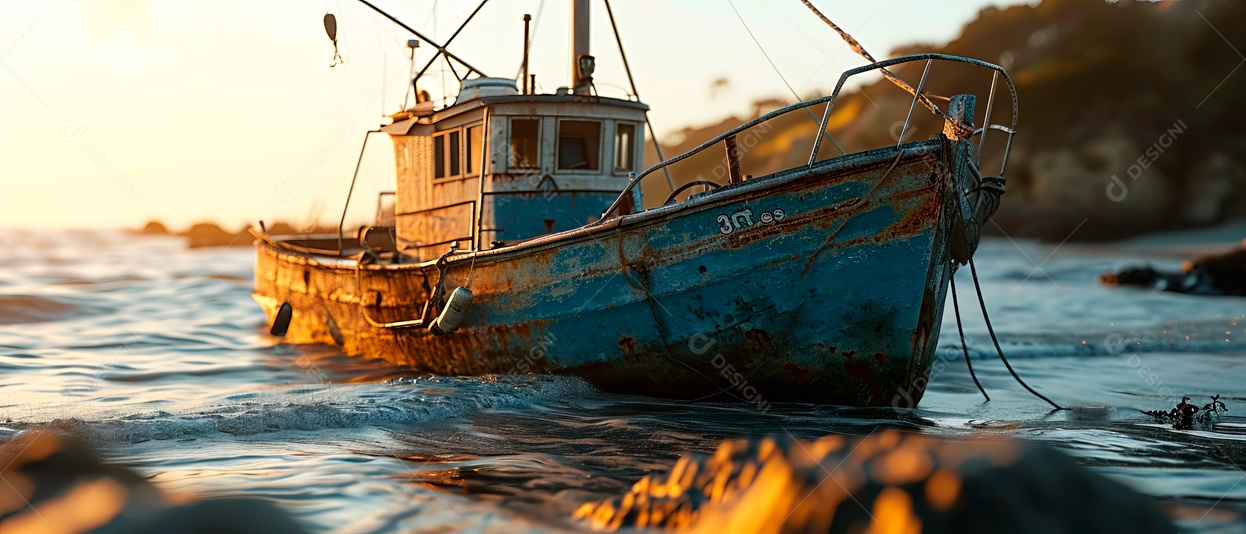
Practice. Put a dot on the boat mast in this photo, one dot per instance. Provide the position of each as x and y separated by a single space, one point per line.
582 63
653 136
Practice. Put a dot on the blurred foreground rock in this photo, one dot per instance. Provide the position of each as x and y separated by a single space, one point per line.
1216 274
209 234
53 483
153 228
885 483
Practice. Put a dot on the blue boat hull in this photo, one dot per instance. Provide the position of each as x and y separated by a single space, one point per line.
818 284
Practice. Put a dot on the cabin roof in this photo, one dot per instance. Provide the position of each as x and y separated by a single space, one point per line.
558 99
405 126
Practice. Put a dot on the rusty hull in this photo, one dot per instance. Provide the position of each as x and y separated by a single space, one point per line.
819 284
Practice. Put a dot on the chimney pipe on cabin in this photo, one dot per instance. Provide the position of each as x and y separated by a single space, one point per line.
527 21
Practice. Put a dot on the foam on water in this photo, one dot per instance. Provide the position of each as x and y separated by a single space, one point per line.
313 407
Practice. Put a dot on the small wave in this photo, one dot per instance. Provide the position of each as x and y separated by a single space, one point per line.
98 282
1203 336
393 404
23 309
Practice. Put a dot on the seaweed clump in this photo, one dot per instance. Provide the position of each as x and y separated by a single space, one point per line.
1187 416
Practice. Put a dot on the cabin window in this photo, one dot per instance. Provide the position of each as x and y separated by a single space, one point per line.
439 156
579 145
625 147
447 147
524 147
475 146
453 156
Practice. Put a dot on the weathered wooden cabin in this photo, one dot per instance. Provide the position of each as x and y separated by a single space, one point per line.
504 164
524 165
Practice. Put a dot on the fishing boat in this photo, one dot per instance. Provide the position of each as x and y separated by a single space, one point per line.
519 243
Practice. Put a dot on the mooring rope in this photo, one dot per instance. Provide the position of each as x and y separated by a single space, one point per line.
962 129
964 347
861 51
986 317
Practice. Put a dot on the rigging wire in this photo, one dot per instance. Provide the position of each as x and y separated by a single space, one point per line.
657 147
384 72
451 40
961 329
776 71
443 72
421 36
986 317
768 60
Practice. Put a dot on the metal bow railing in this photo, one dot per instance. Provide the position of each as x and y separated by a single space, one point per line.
997 73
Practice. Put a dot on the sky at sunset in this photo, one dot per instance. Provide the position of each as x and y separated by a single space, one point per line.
114 112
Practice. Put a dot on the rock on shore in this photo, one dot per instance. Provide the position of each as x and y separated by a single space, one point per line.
886 482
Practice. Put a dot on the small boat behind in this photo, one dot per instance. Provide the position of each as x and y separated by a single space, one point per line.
519 243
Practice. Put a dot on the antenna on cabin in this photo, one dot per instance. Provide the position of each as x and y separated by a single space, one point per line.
582 63
412 44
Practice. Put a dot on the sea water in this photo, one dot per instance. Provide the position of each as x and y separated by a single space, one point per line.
158 354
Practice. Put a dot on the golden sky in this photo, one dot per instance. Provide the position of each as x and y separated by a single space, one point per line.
115 112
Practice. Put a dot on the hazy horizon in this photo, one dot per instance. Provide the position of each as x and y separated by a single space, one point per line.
125 111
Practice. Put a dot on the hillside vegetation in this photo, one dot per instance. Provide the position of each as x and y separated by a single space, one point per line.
1129 121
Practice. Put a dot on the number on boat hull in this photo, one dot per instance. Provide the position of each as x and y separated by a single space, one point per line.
744 218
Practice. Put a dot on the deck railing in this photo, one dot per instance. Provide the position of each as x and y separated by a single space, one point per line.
470 238
728 137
